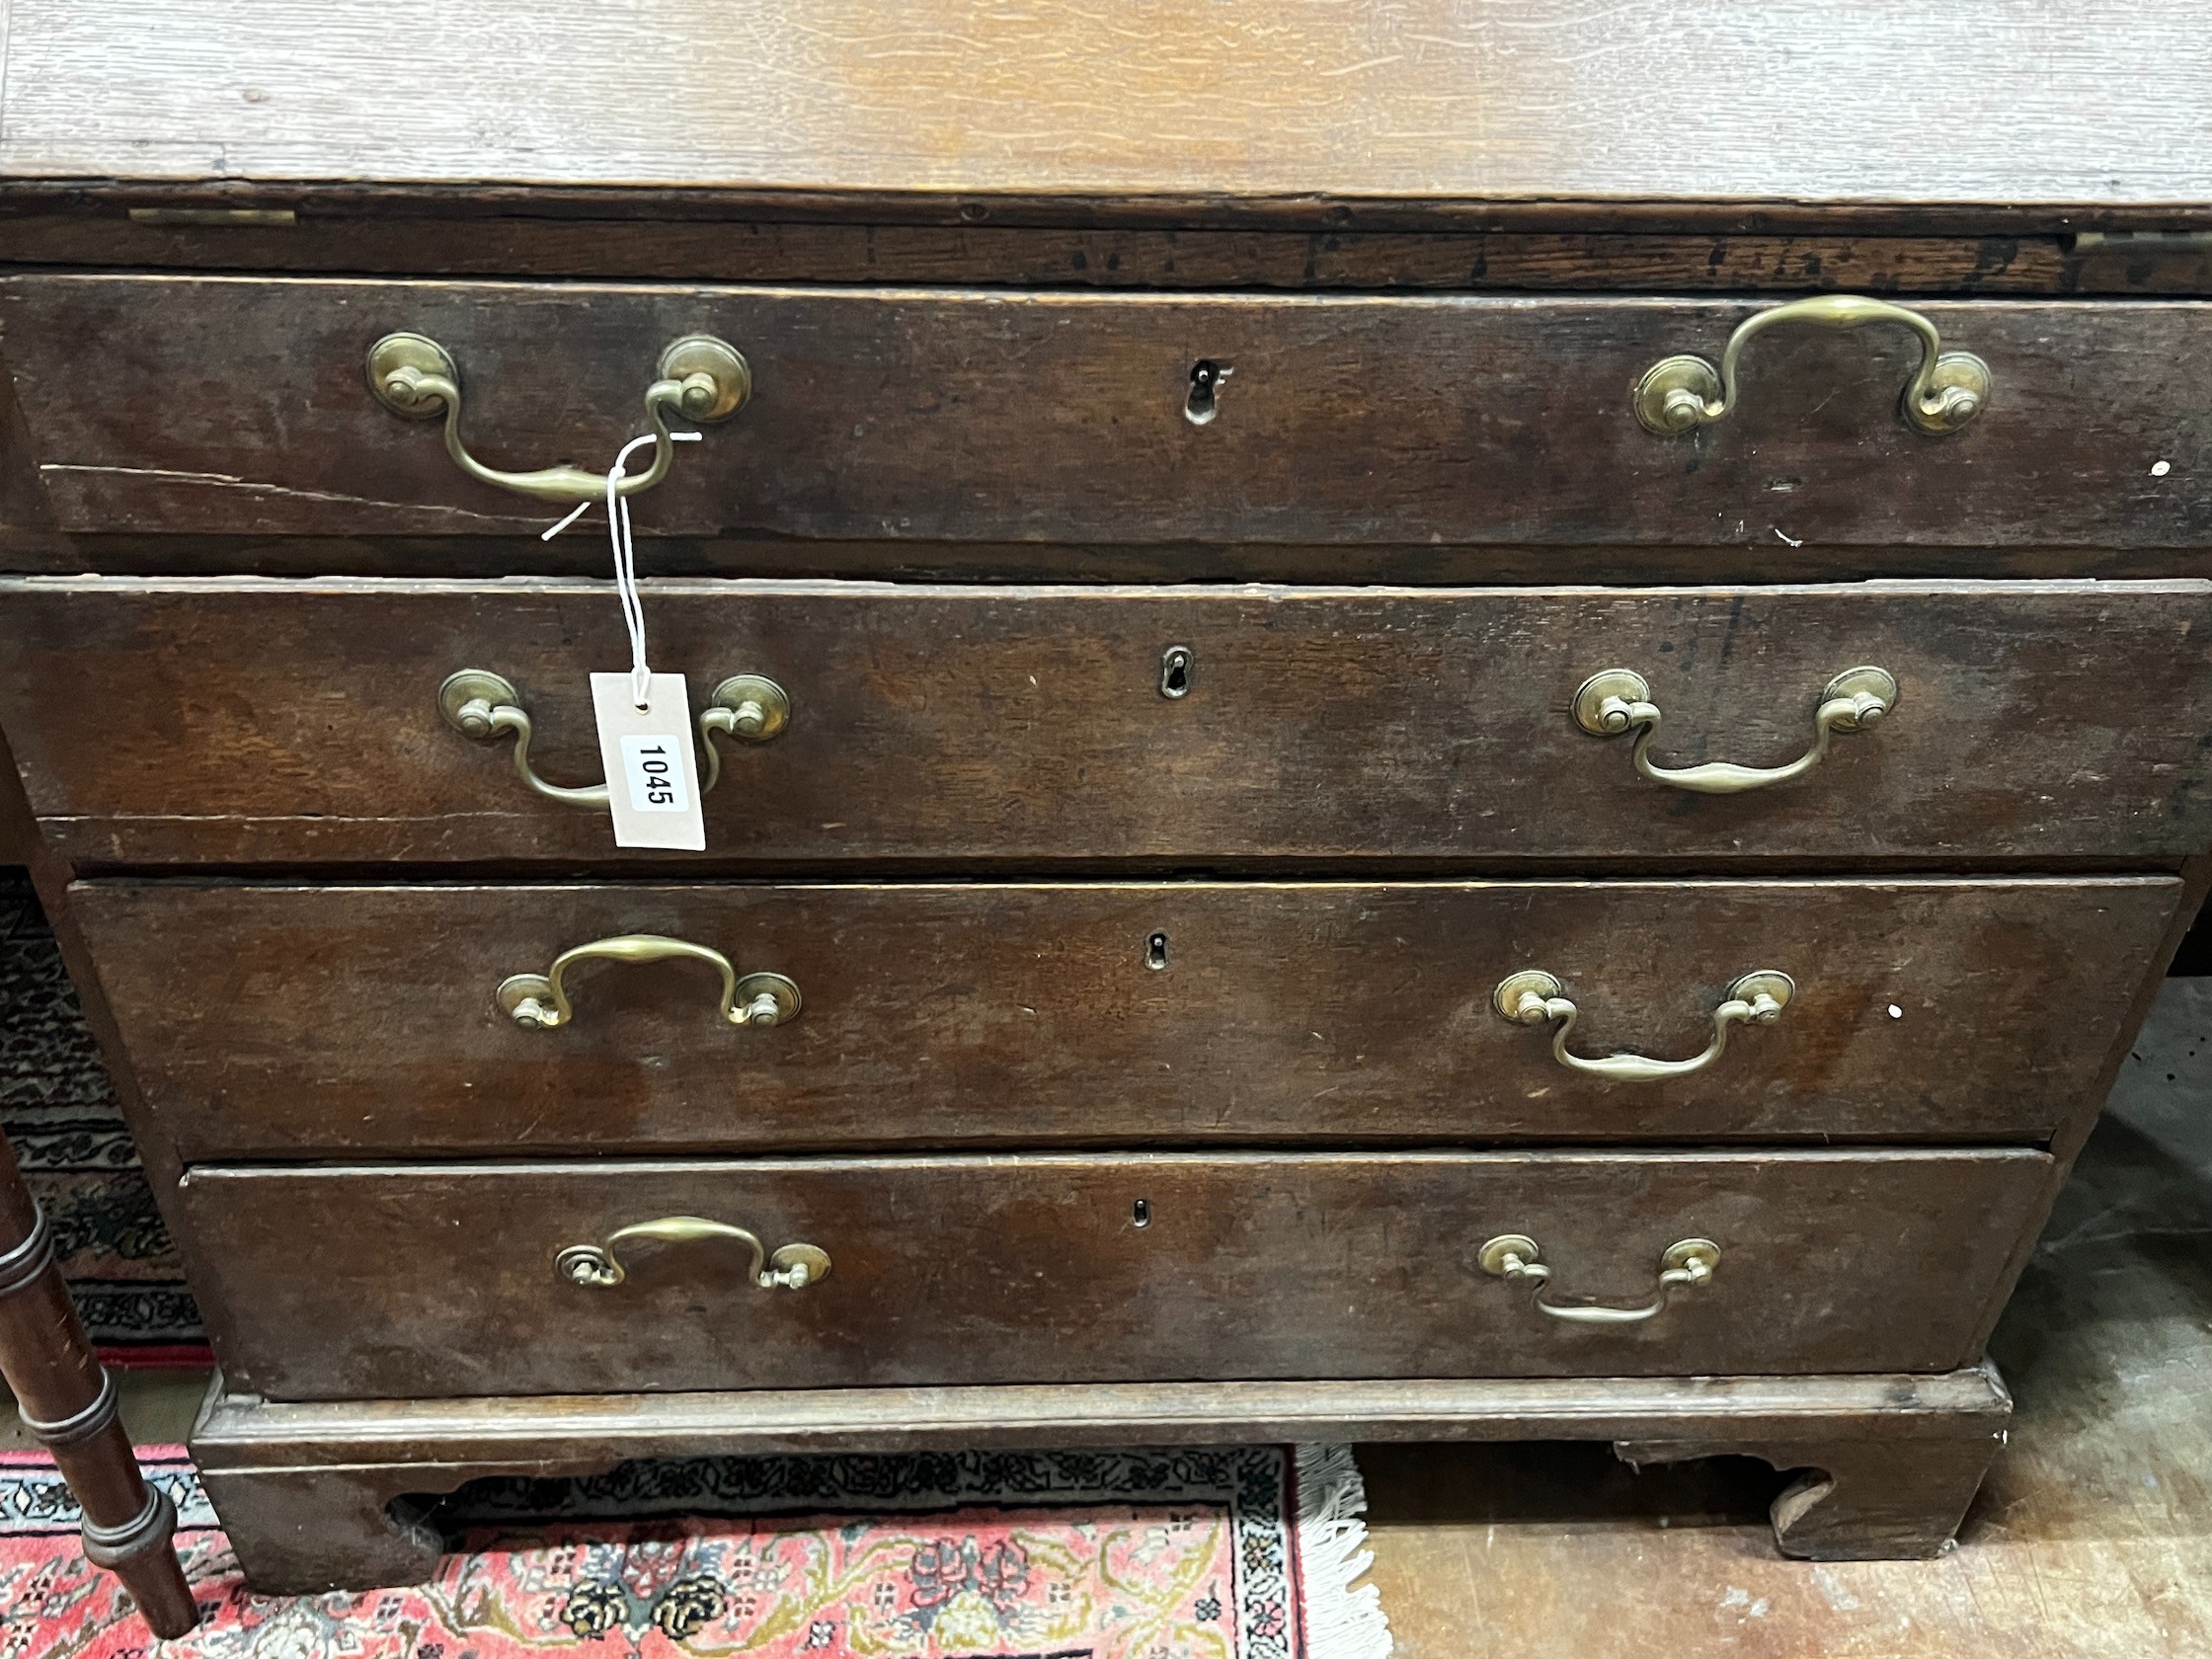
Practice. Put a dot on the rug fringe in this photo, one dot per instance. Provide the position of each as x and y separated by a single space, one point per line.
1344 1620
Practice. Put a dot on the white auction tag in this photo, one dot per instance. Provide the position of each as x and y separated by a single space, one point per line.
652 776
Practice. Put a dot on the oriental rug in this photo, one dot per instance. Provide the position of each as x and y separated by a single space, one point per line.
1240 1552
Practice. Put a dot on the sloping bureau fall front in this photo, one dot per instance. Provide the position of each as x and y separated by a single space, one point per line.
1516 772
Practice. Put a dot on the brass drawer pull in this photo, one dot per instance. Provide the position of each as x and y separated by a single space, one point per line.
792 1268
699 379
752 708
484 706
540 1002
1532 997
1950 388
1620 701
1511 1256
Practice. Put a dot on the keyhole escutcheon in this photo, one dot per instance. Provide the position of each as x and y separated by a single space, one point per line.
1203 402
1155 951
1175 671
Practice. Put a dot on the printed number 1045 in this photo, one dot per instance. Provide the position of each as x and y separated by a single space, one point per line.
655 775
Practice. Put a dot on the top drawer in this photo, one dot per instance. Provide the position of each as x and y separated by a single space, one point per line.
243 405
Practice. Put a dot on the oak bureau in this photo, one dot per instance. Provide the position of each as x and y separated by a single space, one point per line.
1414 720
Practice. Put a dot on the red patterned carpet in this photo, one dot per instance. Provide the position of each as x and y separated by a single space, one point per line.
1219 1553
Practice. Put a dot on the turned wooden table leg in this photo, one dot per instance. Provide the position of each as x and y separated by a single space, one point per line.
68 1400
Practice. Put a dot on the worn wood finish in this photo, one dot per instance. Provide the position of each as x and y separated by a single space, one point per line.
974 259
946 414
416 1281
2067 1144
48 552
327 1496
1862 1498
51 876
2087 1542
220 202
281 1021
247 722
1412 101
238 1432
350 236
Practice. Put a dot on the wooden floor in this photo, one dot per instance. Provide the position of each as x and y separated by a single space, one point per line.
2093 1538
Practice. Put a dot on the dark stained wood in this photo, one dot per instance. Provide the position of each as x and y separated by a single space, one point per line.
50 875
1002 564
68 1403
218 203
2066 1146
242 1432
1864 1497
291 722
973 260
24 514
348 238
936 414
19 840
412 1282
327 1496
1416 102
281 1021
301 1533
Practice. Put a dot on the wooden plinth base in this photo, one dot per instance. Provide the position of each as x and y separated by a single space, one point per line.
327 1496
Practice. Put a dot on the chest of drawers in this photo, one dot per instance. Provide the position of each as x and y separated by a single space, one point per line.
1383 759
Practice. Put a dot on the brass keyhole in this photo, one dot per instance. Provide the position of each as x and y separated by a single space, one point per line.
1175 671
1204 400
1155 951
1141 1213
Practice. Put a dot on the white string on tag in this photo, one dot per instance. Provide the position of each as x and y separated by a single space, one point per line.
625 558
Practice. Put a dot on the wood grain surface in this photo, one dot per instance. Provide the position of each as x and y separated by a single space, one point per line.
406 1282
306 1490
289 1021
931 414
250 721
1983 101
342 233
237 1433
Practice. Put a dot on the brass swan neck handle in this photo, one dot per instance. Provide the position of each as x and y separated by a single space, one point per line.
484 706
540 1002
700 378
1532 998
1618 700
599 1266
1514 1258
1949 389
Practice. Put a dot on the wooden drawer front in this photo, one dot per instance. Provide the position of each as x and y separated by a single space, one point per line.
255 721
393 1281
364 1019
242 406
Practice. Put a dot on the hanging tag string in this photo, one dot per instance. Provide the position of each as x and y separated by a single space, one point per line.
625 558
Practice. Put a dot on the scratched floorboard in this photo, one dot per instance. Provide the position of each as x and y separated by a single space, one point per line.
2092 1537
